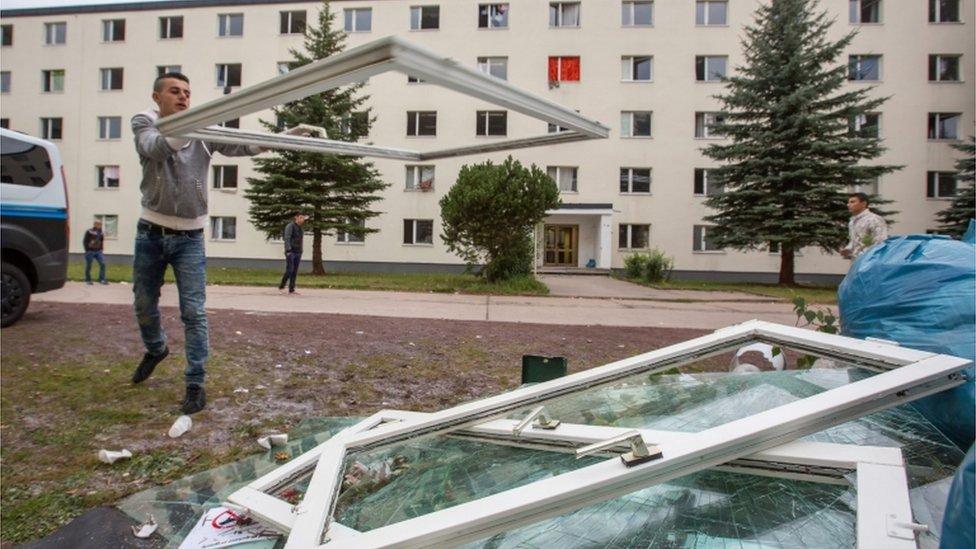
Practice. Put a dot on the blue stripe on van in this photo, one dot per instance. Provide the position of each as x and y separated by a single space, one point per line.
37 212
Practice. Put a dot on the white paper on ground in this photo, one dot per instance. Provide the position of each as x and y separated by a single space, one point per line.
218 528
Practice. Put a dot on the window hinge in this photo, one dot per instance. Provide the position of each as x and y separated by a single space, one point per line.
639 452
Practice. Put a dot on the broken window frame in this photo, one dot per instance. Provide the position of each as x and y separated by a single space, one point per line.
907 375
358 65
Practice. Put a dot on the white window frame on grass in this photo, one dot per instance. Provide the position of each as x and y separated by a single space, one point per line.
701 186
113 30
52 80
56 34
859 69
225 177
359 64
711 68
109 128
562 16
627 177
496 66
625 236
628 13
108 79
938 128
701 242
704 16
104 177
883 507
495 15
171 27
941 63
860 8
410 234
936 14
934 181
226 23
566 178
704 122
343 237
419 177
353 23
630 64
292 21
426 17
627 124
487 123
219 226
110 225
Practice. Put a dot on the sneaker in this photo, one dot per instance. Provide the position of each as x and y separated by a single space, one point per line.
147 365
104 282
195 399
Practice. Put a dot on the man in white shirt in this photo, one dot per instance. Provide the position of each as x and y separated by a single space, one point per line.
866 228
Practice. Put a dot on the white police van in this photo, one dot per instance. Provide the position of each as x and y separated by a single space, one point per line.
33 221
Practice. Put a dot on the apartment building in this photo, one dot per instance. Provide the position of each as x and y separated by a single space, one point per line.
647 69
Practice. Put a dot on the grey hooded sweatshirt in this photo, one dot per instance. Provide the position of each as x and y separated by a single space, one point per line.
174 183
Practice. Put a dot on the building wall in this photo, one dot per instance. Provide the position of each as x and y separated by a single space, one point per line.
904 38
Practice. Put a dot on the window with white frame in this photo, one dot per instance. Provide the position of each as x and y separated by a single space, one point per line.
109 127
635 124
418 231
420 178
566 177
711 68
230 24
425 17
225 177
52 81
4 81
705 186
944 68
223 228
634 236
866 125
163 69
637 13
228 75
113 30
351 236
495 66
171 27
711 12
702 242
705 123
358 19
110 225
421 123
107 177
865 11
55 33
864 68
493 16
491 123
292 22
51 128
944 125
867 186
636 68
944 11
635 180
6 35
941 185
564 14
111 79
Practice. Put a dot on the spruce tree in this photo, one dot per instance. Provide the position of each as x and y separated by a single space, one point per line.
337 192
792 152
955 219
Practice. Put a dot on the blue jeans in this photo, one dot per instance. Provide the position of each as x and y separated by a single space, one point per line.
292 261
94 256
185 253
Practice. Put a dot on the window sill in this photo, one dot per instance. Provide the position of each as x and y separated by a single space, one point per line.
697 138
430 190
648 26
709 81
108 139
61 44
230 36
226 191
947 81
223 240
939 198
489 136
339 243
358 31
633 249
113 42
425 30
709 26
638 193
868 24
943 140
568 192
493 28
291 34
651 81
106 188
636 137
421 136
52 92
109 91
879 81
173 39
419 245
708 252
947 22
561 27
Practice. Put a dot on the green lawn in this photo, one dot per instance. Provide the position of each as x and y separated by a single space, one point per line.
404 282
812 294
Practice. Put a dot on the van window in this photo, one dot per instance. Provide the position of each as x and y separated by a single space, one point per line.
23 163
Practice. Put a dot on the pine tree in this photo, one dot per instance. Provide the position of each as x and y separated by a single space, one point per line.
337 192
955 219
792 152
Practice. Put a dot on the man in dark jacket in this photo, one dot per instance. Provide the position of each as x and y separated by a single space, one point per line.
293 251
94 243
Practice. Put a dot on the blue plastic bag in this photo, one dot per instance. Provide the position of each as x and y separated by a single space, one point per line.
920 290
957 523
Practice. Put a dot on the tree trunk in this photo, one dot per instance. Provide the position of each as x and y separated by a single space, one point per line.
786 273
318 267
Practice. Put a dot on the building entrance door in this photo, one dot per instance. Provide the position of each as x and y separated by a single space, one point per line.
562 245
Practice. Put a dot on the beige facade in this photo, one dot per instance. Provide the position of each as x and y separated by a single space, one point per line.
904 39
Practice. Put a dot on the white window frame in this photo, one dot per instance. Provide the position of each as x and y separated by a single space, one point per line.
51 33
494 6
938 119
47 127
627 124
627 11
938 57
166 27
415 180
102 181
630 180
568 175
489 64
859 122
416 123
485 118
108 31
934 185
413 228
855 60
884 510
48 79
627 73
105 126
707 119
705 186
706 21
560 8
938 13
629 228
854 15
224 27
350 239
707 62
351 20
220 173
223 73
7 81
163 69
106 74
104 219
418 24
361 63
289 16
217 228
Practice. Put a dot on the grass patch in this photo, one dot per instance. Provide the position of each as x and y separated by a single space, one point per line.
812 294
402 282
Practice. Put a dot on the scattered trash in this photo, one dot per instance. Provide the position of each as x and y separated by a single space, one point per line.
307 352
412 344
282 456
238 332
477 337
242 390
110 457
360 332
259 387
267 442
107 371
223 527
621 346
146 529
277 365
180 426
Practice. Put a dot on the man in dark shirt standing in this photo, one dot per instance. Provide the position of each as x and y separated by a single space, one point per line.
293 251
94 244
